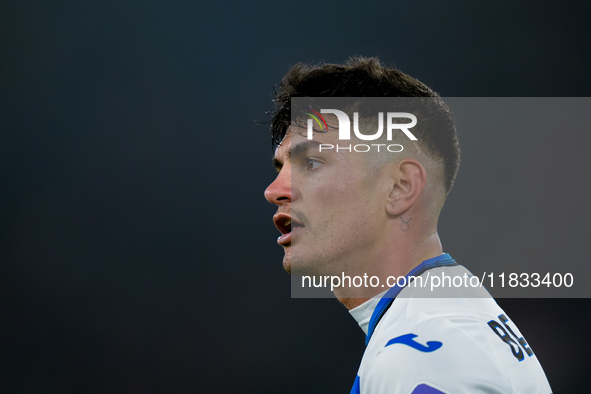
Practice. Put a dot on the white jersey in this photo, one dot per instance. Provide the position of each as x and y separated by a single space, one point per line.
425 345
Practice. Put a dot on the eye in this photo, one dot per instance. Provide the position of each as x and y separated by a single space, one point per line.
312 164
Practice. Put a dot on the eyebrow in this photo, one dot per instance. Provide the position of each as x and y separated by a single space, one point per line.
296 151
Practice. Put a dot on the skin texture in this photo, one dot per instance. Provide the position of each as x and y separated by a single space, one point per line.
358 217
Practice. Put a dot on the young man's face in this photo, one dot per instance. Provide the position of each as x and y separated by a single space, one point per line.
333 201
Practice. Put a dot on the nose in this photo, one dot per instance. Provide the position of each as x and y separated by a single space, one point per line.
279 192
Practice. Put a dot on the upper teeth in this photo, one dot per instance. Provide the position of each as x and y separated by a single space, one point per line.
287 222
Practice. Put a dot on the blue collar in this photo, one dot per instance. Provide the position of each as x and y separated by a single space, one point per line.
439 261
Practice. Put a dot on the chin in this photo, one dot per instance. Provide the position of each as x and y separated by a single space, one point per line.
299 266
287 259
287 267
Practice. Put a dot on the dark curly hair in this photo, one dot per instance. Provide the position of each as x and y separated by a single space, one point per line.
368 77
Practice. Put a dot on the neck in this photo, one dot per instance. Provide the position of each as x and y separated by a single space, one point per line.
397 260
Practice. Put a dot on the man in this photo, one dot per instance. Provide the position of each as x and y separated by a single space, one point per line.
345 210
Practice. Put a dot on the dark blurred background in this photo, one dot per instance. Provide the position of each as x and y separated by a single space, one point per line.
138 253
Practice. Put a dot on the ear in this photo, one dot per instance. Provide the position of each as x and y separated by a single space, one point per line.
408 180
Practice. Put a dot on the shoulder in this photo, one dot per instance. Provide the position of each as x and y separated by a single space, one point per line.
458 345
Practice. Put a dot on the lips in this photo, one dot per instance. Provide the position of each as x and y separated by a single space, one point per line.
288 226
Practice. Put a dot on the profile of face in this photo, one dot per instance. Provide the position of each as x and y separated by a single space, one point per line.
330 204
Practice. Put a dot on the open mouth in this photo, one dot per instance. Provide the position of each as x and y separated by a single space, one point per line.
287 226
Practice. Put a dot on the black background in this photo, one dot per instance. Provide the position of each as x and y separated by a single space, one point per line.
138 252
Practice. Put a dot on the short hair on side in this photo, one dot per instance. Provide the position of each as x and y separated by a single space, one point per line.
368 77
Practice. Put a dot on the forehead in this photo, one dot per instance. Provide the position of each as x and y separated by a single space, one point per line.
296 140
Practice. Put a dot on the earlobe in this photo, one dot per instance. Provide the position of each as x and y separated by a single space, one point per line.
408 180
